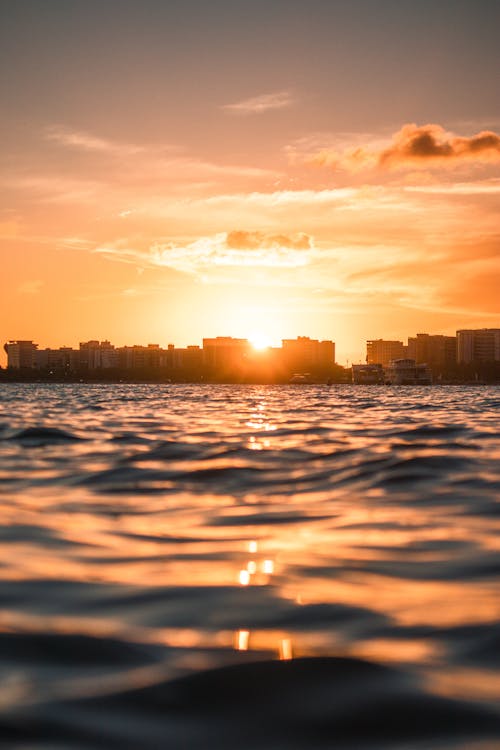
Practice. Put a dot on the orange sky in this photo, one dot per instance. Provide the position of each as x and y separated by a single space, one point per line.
169 173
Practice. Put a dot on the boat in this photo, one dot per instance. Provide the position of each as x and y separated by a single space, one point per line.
301 377
407 372
368 374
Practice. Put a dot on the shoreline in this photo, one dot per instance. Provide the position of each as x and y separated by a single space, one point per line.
220 381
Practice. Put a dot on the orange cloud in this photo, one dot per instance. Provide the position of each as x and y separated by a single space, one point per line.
352 160
415 146
259 241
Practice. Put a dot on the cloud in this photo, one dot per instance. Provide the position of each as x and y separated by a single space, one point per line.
81 140
257 105
485 187
57 189
77 139
414 145
236 249
258 240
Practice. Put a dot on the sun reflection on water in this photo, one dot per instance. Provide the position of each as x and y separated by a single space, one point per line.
285 649
241 640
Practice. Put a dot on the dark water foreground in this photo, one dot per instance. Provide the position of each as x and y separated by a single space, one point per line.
249 567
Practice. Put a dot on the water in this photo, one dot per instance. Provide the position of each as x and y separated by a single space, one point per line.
252 567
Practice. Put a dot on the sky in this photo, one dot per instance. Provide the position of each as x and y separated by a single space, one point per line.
176 170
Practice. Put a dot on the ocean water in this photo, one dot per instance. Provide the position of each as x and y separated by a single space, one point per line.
201 566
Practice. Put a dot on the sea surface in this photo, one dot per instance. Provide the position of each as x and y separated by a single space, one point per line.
216 566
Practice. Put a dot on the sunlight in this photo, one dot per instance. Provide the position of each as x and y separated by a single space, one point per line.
259 341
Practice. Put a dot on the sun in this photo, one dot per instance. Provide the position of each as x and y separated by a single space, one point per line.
259 341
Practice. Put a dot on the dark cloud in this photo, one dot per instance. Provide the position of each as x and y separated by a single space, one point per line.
414 145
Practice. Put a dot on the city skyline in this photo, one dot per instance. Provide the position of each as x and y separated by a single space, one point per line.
262 170
467 346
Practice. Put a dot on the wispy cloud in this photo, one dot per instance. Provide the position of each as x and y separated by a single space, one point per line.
236 249
76 243
486 187
257 105
81 140
57 189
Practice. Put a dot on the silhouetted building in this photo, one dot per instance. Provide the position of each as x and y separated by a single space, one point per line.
407 372
437 351
368 374
21 354
139 357
189 359
381 352
303 354
478 345
95 355
224 353
65 358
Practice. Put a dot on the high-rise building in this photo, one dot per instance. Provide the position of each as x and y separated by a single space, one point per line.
64 358
304 353
139 357
224 352
381 352
95 355
21 354
435 350
478 345
189 358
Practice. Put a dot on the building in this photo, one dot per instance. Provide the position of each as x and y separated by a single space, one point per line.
381 352
95 355
224 353
303 354
139 357
189 358
478 345
65 358
368 374
437 351
407 372
21 354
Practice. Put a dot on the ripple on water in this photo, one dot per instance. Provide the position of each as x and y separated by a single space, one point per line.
162 545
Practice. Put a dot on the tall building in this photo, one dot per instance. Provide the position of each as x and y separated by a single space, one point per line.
95 355
436 351
139 357
21 354
224 352
190 358
64 358
381 352
302 354
478 345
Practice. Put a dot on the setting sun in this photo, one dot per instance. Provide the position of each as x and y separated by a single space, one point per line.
259 341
